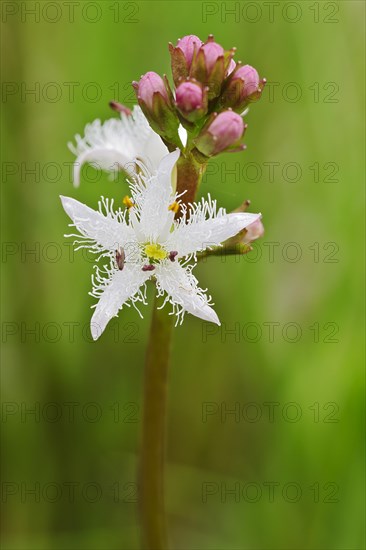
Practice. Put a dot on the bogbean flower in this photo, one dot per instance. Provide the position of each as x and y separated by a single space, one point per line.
117 143
146 241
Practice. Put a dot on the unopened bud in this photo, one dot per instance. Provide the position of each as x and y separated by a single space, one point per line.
244 87
250 79
156 101
182 56
212 51
241 241
151 83
191 100
211 66
189 45
253 232
222 133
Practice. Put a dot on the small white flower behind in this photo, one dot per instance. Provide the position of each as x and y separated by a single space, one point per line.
117 144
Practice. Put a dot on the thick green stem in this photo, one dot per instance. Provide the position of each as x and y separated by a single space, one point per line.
154 535
190 173
153 431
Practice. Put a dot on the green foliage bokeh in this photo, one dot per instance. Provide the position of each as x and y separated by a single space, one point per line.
302 281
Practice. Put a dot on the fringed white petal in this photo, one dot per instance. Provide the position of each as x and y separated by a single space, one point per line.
108 231
152 196
183 292
113 293
102 158
166 167
203 226
117 143
153 149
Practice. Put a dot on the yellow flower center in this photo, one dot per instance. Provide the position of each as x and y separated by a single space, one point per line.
127 202
155 251
174 207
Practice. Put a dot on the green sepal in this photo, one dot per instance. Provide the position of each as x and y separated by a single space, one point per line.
198 68
178 63
216 78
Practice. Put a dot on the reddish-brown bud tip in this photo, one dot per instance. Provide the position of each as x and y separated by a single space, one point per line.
119 108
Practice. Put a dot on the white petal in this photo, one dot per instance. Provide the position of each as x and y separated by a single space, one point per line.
182 287
153 150
108 231
117 143
166 167
103 158
199 233
155 197
122 286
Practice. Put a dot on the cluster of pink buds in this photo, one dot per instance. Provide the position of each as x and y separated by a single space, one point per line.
211 93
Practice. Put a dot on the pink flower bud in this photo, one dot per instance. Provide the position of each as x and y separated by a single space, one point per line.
222 133
189 97
188 45
253 232
226 129
155 99
149 84
250 78
212 52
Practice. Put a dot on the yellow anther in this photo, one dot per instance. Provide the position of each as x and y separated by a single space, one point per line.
155 251
127 201
174 207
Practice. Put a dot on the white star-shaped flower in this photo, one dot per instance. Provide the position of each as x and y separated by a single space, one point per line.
146 241
117 144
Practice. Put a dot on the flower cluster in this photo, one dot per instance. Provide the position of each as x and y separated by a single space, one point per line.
210 96
164 145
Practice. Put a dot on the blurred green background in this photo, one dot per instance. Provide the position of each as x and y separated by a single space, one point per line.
285 470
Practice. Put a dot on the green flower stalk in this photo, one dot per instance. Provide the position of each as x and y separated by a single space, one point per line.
159 232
